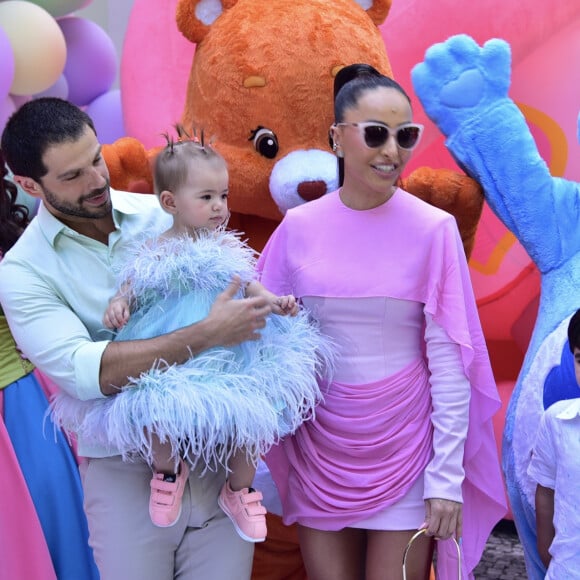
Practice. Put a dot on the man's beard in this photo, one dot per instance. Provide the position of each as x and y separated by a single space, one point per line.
79 210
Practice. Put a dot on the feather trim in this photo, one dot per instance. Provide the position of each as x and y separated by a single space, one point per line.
225 399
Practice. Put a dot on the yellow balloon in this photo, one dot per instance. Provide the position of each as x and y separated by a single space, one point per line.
38 45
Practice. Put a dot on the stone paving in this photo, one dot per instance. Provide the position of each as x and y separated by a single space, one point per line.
503 558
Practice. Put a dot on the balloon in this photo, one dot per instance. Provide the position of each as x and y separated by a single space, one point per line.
37 43
58 89
8 65
59 8
107 113
91 64
7 107
149 112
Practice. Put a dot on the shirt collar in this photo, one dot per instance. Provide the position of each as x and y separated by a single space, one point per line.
52 226
571 410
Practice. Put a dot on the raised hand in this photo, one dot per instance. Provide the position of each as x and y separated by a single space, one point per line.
458 76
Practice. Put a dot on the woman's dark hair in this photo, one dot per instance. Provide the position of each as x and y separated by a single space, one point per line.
574 331
349 83
13 216
36 126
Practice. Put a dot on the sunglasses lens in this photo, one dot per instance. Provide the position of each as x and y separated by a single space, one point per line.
407 137
375 135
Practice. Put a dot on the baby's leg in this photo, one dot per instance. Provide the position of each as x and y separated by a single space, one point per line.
163 459
240 502
242 470
170 474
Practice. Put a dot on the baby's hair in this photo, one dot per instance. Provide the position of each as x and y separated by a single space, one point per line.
574 331
177 159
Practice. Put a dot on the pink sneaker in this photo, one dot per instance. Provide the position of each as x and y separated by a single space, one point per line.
246 512
165 500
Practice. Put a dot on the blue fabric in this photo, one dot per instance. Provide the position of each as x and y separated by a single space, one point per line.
560 384
246 396
463 88
52 477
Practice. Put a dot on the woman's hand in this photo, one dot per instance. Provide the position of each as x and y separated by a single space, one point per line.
443 518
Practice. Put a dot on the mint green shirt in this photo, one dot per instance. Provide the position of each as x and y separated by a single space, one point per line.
55 285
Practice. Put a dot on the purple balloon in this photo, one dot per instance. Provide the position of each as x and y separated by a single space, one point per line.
8 65
106 111
58 89
91 61
7 107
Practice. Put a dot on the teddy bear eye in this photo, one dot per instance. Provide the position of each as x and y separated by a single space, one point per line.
265 142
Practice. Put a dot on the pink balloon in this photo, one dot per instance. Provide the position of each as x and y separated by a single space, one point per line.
91 64
107 113
154 76
8 65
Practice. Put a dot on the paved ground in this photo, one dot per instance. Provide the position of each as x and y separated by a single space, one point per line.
503 558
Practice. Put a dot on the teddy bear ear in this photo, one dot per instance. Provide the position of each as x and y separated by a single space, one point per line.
195 17
376 9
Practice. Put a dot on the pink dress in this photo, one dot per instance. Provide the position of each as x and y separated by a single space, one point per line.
371 278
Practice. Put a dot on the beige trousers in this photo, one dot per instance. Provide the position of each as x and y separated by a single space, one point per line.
202 545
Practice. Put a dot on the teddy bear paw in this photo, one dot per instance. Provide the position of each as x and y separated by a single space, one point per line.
458 78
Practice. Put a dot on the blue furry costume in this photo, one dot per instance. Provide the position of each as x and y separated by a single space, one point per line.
247 396
464 90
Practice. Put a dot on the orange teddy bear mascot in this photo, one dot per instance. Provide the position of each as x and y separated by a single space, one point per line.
261 84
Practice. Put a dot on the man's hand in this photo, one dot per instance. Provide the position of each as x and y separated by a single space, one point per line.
236 320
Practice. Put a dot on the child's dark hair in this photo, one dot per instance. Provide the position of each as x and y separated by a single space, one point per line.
13 216
173 163
350 82
574 331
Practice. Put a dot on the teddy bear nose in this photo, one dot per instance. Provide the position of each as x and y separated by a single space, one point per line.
309 190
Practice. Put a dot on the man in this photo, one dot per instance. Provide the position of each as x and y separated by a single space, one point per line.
55 284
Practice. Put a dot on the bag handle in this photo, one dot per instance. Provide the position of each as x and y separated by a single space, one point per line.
420 533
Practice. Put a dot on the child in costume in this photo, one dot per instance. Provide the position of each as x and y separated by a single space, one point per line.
226 406
554 466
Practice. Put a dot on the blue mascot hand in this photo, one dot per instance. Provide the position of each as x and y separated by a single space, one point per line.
458 76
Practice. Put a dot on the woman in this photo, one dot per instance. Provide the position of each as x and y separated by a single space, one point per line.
42 524
393 444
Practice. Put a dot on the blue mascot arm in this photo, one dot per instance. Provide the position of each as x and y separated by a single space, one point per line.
464 89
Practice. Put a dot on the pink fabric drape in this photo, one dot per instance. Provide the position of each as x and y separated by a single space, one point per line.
24 553
410 250
338 476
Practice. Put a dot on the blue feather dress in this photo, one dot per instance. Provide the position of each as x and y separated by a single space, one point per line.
242 397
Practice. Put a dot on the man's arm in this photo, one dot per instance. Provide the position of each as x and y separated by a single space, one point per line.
545 522
229 322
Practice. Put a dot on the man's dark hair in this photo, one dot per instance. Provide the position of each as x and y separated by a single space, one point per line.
36 126
574 331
